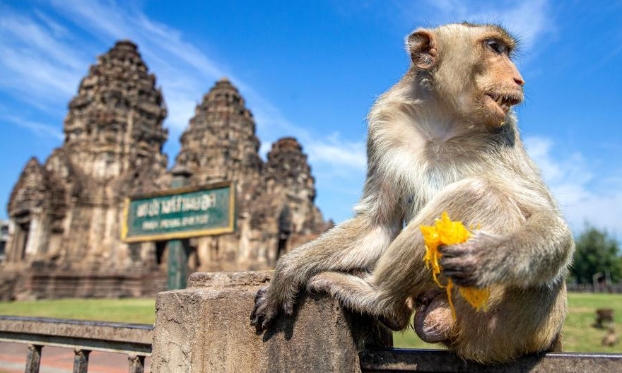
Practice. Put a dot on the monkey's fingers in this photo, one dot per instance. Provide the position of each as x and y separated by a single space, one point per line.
454 251
261 293
255 318
260 316
461 278
258 300
461 269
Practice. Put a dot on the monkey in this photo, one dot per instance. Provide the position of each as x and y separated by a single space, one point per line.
444 138
611 338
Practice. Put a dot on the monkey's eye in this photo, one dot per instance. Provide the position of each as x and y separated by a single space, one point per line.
497 46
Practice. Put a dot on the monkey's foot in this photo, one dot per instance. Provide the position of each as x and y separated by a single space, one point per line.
264 312
433 320
393 323
261 316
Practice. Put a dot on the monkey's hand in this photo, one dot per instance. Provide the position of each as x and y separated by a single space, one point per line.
477 262
267 308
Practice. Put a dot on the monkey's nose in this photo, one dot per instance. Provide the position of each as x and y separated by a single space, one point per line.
519 80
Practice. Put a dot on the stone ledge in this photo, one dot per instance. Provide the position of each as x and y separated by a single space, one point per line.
237 280
206 328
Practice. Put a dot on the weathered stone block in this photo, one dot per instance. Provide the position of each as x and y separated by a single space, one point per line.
206 328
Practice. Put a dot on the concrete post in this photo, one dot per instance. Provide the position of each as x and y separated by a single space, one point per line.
206 328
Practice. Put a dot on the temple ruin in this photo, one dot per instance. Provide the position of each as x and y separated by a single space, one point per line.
65 214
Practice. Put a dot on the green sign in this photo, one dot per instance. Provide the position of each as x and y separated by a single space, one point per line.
180 213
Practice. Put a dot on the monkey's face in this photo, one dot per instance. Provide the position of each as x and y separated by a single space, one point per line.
498 83
471 70
487 82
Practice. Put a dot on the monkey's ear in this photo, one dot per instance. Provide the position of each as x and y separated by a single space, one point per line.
423 50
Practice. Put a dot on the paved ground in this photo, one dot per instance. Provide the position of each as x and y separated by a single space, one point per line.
60 360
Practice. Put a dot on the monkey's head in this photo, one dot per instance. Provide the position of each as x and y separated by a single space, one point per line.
468 68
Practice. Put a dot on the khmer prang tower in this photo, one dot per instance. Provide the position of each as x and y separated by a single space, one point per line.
275 207
66 214
68 210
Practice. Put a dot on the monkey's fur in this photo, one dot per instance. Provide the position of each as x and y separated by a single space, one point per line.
444 138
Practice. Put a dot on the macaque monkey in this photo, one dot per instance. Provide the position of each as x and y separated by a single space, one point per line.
611 338
444 138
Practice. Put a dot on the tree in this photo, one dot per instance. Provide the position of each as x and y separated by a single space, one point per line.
596 252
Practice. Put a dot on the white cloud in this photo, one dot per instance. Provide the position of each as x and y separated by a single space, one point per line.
41 69
528 19
58 30
337 153
42 58
104 17
39 129
37 36
582 194
184 72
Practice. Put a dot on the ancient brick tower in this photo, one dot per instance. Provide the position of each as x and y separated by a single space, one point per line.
275 200
287 169
114 124
67 211
220 142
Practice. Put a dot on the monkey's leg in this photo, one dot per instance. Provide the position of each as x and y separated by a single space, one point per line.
401 274
355 244
356 293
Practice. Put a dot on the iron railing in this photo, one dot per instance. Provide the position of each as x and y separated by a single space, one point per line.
433 361
134 340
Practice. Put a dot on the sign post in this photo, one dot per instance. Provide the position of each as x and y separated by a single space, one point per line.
178 214
178 250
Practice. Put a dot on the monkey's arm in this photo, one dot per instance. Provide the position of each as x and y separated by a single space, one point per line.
354 244
536 254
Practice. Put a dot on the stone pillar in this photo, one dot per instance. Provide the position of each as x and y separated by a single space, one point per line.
206 328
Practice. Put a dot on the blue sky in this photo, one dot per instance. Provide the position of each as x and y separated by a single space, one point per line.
311 69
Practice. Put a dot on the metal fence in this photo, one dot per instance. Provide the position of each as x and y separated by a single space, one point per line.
135 340
434 361
82 336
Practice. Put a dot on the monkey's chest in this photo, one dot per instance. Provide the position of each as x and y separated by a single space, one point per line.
427 183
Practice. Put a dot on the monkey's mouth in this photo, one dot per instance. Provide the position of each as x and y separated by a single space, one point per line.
504 101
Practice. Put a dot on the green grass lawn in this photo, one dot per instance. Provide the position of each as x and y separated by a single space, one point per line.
140 311
579 335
